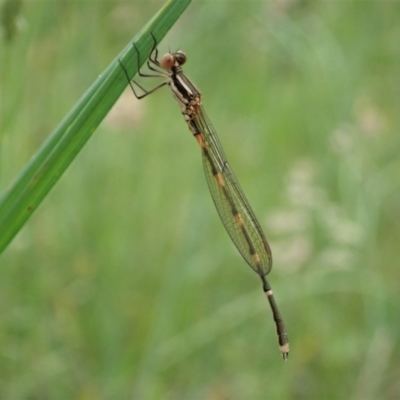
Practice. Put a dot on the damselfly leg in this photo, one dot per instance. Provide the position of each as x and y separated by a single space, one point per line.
151 62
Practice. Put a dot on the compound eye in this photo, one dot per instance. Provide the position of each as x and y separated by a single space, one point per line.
167 61
180 57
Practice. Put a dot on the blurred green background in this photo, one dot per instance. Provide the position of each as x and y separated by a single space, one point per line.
124 283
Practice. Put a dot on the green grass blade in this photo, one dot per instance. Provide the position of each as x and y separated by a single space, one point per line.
56 154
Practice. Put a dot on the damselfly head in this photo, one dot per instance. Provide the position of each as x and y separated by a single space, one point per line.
170 60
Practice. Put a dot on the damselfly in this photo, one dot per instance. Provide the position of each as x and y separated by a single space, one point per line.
232 206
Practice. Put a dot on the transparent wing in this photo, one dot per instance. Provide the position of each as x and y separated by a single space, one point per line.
232 206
